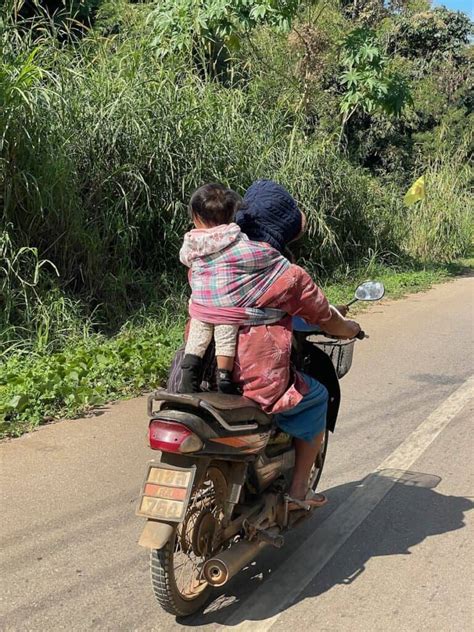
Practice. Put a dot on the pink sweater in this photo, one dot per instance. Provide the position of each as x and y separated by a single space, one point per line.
262 362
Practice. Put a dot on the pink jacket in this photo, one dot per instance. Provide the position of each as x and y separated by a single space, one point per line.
262 362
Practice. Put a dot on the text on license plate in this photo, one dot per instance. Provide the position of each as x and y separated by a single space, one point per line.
168 477
165 493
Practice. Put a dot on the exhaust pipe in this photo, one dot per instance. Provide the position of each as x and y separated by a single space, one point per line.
219 569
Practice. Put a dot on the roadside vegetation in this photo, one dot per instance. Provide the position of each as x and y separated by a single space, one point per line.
111 113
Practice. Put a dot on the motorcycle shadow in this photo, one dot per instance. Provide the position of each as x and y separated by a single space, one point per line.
410 512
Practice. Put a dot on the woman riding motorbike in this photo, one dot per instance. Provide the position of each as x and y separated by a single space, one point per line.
262 365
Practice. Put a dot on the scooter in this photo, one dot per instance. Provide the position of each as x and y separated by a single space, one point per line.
215 494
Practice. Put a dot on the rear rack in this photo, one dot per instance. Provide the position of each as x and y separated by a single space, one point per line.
223 422
194 401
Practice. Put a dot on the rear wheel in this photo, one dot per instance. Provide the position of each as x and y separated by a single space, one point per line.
319 463
176 569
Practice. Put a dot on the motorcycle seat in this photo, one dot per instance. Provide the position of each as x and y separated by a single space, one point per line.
232 408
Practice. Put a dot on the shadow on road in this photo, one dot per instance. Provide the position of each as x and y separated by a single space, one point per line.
411 512
438 379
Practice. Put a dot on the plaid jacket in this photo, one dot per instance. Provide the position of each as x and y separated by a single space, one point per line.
227 269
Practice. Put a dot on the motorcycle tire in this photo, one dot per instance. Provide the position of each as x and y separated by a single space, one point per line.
165 587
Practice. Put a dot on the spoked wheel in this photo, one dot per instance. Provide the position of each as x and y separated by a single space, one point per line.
319 463
176 569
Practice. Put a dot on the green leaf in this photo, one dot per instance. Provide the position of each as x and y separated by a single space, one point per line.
18 402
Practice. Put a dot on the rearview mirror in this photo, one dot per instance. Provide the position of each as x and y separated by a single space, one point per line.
370 291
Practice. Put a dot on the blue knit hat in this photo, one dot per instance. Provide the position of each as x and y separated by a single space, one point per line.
269 213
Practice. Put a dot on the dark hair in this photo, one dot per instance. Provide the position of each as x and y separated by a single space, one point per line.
214 204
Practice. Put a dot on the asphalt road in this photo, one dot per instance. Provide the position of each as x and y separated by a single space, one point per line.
392 550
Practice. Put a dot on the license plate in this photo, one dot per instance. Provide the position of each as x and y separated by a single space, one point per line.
166 491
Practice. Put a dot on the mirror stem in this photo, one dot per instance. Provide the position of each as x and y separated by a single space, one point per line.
354 300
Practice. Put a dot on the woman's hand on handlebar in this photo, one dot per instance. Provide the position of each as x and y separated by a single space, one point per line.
360 335
339 326
354 329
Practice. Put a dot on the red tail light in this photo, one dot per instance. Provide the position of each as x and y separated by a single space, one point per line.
170 436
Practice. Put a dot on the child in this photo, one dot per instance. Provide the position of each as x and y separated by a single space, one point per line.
229 273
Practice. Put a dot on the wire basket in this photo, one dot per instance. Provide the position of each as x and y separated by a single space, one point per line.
340 352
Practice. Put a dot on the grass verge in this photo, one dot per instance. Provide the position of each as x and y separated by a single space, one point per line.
398 282
39 388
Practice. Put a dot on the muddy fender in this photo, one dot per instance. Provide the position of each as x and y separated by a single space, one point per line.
156 534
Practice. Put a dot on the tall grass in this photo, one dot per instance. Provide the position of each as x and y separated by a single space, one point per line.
442 225
101 145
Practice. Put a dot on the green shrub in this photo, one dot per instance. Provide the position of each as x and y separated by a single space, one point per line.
86 374
103 145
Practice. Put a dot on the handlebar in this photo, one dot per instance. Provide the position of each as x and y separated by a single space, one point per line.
318 332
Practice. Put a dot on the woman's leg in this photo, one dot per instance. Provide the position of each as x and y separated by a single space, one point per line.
306 422
305 456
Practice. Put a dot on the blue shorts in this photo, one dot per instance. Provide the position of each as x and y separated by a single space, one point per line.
308 418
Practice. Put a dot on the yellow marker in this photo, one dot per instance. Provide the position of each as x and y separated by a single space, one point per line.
415 192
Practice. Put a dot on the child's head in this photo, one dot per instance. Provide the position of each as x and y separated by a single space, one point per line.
212 205
270 214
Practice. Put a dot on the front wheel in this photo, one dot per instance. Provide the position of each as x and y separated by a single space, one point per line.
319 463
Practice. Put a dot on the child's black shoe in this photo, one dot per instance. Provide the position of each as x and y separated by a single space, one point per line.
225 384
191 374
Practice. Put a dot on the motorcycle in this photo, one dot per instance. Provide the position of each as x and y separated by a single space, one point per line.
214 496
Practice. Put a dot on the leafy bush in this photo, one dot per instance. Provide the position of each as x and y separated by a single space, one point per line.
435 33
184 25
59 10
369 84
100 158
86 374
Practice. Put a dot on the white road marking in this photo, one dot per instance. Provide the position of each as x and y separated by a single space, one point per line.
260 611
